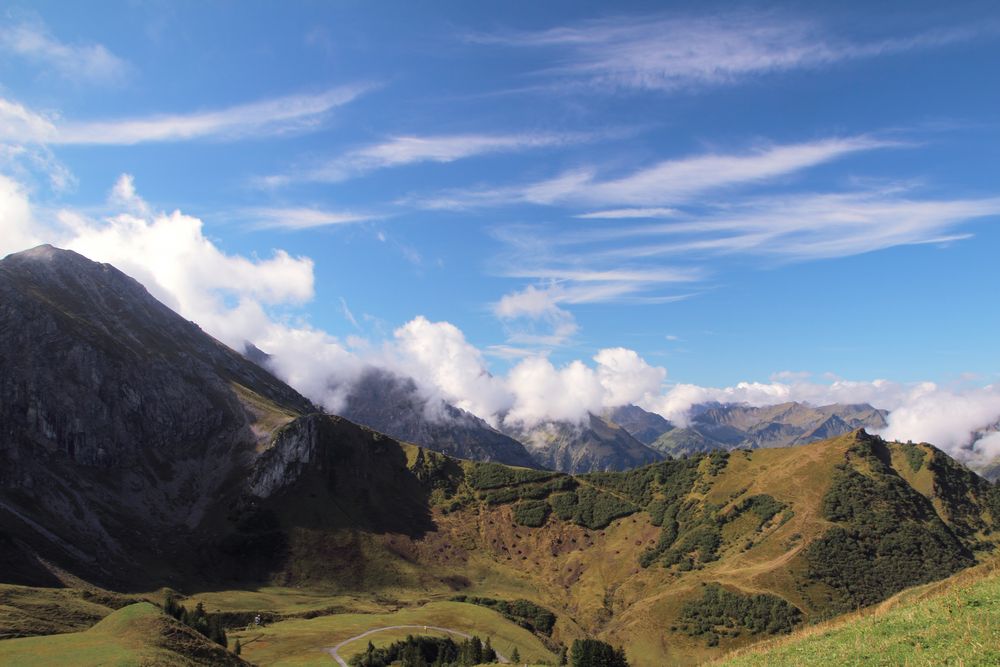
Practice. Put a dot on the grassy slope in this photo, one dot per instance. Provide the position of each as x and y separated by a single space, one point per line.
27 611
302 641
954 622
133 635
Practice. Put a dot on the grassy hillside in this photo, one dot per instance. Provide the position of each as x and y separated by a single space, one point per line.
649 557
954 622
139 634
678 562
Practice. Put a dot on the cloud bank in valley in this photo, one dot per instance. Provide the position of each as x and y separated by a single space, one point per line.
239 299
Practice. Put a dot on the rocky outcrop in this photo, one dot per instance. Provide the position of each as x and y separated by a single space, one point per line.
394 405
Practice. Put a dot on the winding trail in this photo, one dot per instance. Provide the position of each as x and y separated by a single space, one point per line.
335 651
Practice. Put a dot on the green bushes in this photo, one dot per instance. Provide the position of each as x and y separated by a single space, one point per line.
590 507
890 538
722 612
496 475
525 613
531 513
595 653
914 456
763 505
209 625
422 651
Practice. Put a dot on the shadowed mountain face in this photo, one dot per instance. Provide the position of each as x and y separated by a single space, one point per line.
733 426
126 431
646 427
393 405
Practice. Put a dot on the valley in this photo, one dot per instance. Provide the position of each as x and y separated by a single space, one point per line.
153 466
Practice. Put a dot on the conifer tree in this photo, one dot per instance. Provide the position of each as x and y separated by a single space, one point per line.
515 656
237 648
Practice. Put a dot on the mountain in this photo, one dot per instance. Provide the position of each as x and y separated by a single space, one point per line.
594 445
122 423
738 426
137 452
642 425
393 405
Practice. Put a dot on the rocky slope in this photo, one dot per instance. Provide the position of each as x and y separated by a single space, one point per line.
122 423
595 445
393 405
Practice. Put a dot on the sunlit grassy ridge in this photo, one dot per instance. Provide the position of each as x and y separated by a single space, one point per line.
955 622
139 634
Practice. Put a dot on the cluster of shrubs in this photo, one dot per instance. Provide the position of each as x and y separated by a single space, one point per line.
889 537
590 507
427 652
525 613
532 513
496 475
722 612
210 625
595 653
536 491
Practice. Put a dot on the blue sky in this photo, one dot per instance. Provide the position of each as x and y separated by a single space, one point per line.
737 192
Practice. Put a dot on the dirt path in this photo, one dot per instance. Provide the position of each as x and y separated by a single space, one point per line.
335 651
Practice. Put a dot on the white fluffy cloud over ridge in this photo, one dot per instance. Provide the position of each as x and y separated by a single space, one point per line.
237 298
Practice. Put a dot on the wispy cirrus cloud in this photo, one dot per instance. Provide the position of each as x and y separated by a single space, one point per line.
77 63
673 53
406 150
301 217
270 117
669 182
796 227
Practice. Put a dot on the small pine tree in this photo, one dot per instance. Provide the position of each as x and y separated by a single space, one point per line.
237 648
515 656
489 655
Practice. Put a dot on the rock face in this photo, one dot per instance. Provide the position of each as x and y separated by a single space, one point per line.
644 426
393 405
731 426
595 445
117 416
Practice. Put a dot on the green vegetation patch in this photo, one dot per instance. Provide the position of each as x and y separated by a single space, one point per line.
496 475
720 612
525 613
914 456
889 537
532 513
590 507
763 505
424 651
595 653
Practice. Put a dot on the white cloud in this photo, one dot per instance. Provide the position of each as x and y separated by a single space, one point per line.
626 377
673 53
18 228
77 63
671 182
297 218
543 392
405 150
629 213
438 356
276 116
521 310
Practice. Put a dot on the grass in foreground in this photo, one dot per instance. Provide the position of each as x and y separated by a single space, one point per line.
955 622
